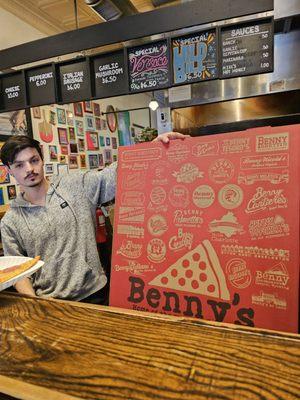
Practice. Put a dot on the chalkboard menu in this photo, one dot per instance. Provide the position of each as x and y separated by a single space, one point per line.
149 66
12 92
247 48
110 75
195 57
40 83
74 81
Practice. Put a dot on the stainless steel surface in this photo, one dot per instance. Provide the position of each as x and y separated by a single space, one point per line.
286 8
286 76
253 108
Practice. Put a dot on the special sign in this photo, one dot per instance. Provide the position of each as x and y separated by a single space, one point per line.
149 66
195 57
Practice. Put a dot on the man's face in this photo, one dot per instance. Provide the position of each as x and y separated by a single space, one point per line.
27 168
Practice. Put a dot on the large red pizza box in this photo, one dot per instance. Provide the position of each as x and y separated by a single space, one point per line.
208 227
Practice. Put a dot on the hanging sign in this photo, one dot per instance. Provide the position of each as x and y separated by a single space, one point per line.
41 85
195 57
74 81
247 48
110 75
149 67
12 92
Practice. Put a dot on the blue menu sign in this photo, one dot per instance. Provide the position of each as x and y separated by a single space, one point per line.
195 57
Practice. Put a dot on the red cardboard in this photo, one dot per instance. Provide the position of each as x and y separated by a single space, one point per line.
208 227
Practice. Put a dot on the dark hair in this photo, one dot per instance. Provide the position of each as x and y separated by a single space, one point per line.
14 145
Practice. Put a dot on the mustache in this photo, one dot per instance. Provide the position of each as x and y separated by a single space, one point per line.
32 174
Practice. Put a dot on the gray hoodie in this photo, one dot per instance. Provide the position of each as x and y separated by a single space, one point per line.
63 233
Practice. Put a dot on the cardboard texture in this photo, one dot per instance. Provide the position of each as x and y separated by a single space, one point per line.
208 227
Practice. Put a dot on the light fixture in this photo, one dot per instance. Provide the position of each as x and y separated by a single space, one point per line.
110 10
153 103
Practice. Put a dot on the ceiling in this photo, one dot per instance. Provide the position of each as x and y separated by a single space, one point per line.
56 16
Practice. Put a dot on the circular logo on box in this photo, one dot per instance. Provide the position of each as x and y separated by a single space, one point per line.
179 196
156 250
221 171
203 196
238 273
230 196
158 195
157 225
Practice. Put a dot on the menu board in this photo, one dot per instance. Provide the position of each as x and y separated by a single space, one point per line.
149 66
12 92
41 85
247 48
195 57
110 75
74 81
208 227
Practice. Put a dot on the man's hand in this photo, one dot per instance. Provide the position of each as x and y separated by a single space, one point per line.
166 137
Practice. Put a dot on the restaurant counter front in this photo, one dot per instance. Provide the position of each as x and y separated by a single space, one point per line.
53 349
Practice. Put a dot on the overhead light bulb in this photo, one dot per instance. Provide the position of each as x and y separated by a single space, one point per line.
153 105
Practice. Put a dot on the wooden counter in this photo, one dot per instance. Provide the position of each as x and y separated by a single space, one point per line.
63 350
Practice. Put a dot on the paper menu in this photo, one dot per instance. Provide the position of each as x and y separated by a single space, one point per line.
208 227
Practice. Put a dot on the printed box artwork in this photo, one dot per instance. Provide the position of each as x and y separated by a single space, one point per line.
208 227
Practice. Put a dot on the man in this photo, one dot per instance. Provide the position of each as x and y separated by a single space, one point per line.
57 222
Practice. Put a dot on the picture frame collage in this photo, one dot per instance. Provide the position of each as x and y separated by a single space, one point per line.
81 137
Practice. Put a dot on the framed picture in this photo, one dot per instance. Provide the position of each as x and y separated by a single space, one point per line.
79 128
87 106
97 112
102 142
48 168
81 146
63 159
4 175
36 112
64 149
73 162
1 197
114 143
103 124
11 192
70 118
78 111
111 118
62 135
107 141
73 148
61 116
98 123
93 161
52 117
89 123
101 161
107 156
92 140
72 136
62 169
53 153
14 123
82 159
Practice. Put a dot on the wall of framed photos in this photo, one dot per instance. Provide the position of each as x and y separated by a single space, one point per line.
81 136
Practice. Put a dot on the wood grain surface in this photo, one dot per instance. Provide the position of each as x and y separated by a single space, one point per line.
94 352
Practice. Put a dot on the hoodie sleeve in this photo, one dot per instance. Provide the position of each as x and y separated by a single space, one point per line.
100 186
11 245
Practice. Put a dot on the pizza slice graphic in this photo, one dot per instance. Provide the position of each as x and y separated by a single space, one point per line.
199 271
